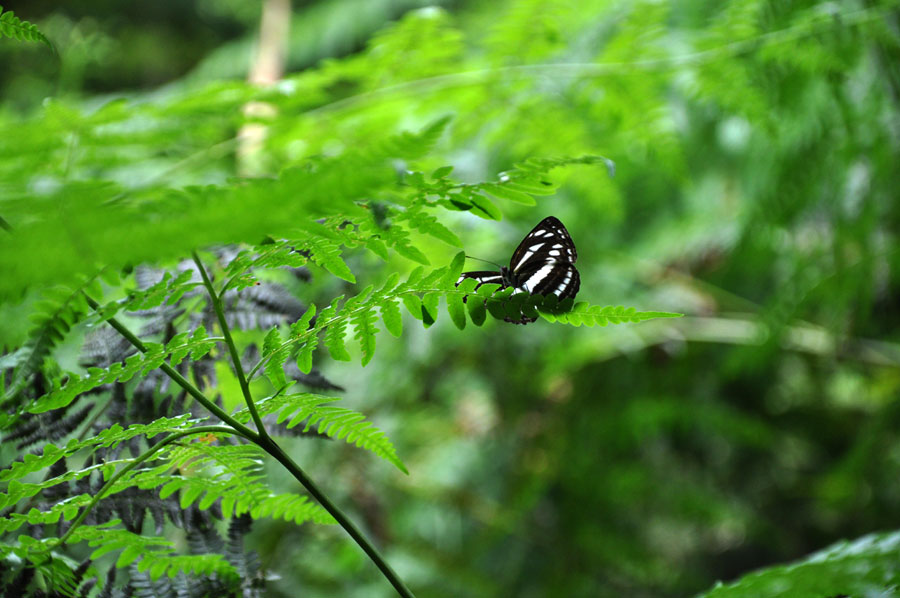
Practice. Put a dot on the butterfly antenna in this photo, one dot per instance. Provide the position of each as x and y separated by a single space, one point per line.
485 261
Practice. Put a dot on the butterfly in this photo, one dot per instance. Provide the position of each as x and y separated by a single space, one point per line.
542 264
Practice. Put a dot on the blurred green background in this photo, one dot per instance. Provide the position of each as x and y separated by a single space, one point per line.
756 190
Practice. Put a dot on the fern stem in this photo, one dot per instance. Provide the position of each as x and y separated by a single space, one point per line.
232 348
271 447
137 461
183 382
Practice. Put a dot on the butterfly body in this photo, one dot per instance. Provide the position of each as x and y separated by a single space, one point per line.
542 264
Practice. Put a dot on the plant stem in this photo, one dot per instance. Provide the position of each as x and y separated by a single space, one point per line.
232 348
345 522
140 459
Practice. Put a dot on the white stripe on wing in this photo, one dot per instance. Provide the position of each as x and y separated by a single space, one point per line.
535 279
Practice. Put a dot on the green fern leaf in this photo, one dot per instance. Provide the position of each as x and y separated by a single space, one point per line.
189 564
291 507
483 207
477 311
344 424
364 325
15 28
413 305
457 310
298 330
336 422
171 288
153 553
275 356
305 355
454 270
398 239
506 192
108 438
441 172
412 146
300 327
66 510
334 341
428 225
585 314
326 253
390 314
430 308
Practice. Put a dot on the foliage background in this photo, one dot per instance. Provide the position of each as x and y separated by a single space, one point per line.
755 190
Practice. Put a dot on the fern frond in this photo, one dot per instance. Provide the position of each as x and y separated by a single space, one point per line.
585 314
426 224
304 355
197 344
412 146
107 438
169 289
505 303
233 475
334 334
152 554
66 509
271 254
291 507
61 569
157 565
15 28
275 356
364 325
53 315
519 184
326 253
390 315
336 422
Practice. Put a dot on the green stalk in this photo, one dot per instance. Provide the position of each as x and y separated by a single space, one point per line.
232 348
345 522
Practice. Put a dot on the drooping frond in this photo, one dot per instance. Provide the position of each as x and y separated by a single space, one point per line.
316 412
15 28
233 476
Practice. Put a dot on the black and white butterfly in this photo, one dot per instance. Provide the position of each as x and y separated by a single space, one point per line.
542 264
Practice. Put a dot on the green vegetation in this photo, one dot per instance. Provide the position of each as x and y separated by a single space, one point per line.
196 274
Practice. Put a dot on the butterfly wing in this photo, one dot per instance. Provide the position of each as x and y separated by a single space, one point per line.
552 278
544 262
549 239
483 277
